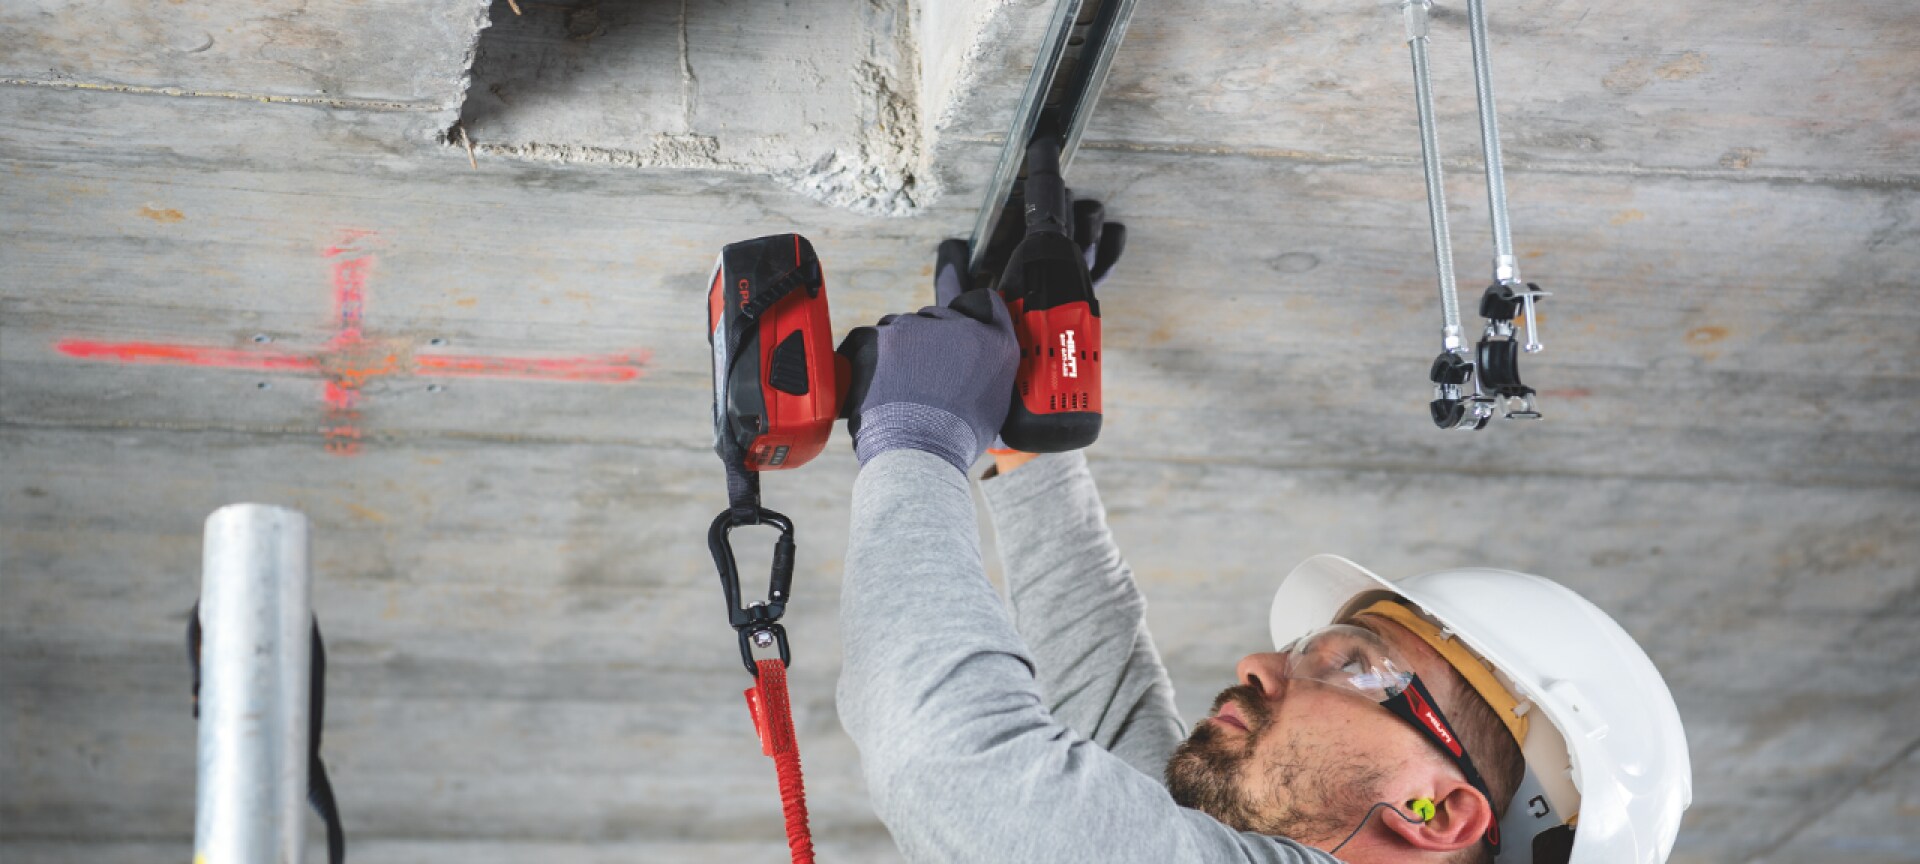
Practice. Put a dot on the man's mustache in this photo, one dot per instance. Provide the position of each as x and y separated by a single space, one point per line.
1252 703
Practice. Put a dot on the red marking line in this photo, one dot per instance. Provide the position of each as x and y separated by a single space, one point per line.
610 368
349 360
349 308
165 354
607 368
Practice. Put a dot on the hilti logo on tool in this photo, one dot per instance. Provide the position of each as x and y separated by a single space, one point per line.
1069 363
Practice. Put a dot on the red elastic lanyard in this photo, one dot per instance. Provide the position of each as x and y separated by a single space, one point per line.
773 722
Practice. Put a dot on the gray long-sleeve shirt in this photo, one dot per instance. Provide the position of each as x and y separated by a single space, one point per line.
980 745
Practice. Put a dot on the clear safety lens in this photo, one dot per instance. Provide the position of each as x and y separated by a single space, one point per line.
1349 657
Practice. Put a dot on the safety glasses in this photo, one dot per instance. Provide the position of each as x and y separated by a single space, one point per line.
1355 659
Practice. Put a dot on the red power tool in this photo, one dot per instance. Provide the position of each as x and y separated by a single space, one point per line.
776 379
776 392
1056 398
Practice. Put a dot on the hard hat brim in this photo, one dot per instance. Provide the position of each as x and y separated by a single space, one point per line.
1317 593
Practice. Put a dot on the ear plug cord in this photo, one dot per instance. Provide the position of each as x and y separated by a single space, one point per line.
1424 813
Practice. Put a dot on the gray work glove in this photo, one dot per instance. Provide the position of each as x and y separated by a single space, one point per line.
936 380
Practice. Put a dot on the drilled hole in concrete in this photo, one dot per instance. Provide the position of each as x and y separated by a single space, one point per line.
435 388
437 342
1294 262
264 385
261 339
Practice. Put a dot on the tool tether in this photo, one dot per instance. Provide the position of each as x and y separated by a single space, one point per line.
758 624
773 722
319 788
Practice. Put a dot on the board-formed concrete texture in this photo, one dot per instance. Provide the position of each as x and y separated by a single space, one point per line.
243 256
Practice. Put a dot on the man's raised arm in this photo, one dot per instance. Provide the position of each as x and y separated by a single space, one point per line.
963 760
1077 607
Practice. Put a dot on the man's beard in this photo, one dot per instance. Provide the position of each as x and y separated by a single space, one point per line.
1218 776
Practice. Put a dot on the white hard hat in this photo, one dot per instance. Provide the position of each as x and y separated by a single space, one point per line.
1612 755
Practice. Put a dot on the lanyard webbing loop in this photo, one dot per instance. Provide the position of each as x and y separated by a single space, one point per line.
773 722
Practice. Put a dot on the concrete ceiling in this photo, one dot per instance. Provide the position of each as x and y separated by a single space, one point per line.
240 260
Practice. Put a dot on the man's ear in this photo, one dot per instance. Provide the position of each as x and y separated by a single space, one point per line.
1461 818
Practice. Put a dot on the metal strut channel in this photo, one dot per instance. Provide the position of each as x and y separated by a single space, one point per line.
1075 56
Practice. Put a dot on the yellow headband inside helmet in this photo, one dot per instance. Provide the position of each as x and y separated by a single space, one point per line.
1477 673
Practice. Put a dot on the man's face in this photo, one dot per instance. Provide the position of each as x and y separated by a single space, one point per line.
1301 758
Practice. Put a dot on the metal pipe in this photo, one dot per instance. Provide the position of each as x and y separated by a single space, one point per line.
1505 267
255 659
1416 12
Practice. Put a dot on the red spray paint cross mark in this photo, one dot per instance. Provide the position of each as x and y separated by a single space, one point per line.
342 392
349 360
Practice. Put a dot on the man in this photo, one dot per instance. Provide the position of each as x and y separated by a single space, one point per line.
1405 731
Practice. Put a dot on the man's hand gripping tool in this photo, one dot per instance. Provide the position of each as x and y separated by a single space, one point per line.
778 385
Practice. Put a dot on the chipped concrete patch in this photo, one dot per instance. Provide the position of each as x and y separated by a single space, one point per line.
1628 77
953 37
1634 74
880 174
1741 158
1686 66
476 23
821 97
665 151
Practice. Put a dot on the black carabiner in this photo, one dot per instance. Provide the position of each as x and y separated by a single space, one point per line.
760 622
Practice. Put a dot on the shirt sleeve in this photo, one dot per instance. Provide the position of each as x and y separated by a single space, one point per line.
1076 606
963 760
